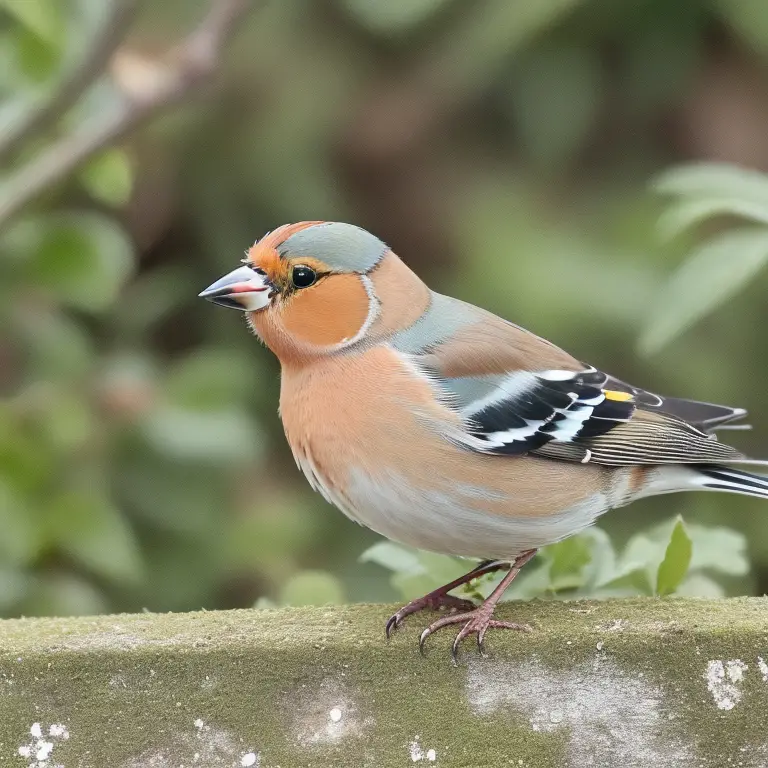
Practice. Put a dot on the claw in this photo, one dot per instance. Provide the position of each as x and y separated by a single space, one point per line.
431 601
455 650
478 622
481 641
392 623
423 639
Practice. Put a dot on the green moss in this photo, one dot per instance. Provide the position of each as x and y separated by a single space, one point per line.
131 688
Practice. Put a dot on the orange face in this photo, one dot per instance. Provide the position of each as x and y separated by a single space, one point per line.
299 305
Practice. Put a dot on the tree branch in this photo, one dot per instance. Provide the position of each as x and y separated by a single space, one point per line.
191 63
65 93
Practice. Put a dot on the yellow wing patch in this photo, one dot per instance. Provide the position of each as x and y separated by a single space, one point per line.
621 397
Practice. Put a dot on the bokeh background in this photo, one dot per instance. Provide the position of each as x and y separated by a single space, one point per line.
505 149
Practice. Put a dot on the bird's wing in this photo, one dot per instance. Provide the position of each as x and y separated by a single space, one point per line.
519 394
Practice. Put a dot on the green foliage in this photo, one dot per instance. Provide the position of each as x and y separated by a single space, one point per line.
669 558
42 17
312 588
79 260
392 17
677 559
109 177
721 266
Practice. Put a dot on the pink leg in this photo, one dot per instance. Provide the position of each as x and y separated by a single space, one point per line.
439 598
480 619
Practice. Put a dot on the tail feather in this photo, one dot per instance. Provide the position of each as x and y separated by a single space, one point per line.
673 478
721 478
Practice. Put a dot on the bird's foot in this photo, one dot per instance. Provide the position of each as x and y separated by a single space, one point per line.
477 621
434 601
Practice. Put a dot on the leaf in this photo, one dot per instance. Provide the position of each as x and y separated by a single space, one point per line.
274 528
222 436
676 560
719 549
35 59
58 348
748 19
699 585
28 463
690 212
603 566
87 527
567 561
413 585
716 271
20 541
63 594
533 581
13 587
82 259
393 16
393 556
170 497
635 581
211 378
444 568
67 421
715 180
312 588
109 177
43 17
151 298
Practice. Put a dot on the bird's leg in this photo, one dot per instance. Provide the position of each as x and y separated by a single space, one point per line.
439 598
480 619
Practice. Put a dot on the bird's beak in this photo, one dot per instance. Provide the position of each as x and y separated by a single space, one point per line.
241 289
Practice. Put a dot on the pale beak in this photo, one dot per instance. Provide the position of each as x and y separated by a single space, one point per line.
241 289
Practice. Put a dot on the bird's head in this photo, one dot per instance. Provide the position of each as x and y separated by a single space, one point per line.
317 287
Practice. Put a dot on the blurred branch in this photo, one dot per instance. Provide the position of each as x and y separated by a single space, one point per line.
65 93
189 64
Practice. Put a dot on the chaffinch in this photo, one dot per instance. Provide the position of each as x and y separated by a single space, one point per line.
442 426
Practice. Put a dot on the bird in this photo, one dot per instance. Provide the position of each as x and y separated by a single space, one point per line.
445 427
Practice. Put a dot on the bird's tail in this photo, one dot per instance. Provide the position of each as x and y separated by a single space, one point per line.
724 478
706 477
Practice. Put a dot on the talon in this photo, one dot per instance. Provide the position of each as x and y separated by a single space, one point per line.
423 639
455 648
392 623
431 601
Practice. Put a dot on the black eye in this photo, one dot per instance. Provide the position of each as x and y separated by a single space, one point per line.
303 277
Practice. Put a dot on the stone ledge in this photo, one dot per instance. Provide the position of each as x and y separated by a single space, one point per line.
673 682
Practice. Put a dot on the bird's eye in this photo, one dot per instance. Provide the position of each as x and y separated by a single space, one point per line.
303 277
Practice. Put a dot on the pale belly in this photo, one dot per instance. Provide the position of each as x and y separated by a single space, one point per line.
448 520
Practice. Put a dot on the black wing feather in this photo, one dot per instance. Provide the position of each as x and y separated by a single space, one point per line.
590 416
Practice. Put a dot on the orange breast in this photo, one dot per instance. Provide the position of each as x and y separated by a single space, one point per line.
370 414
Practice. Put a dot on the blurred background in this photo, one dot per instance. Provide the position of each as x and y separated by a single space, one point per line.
505 150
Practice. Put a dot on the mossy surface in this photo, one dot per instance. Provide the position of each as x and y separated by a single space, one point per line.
620 683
